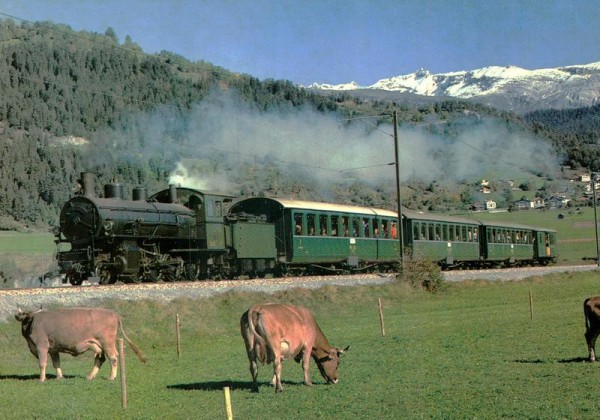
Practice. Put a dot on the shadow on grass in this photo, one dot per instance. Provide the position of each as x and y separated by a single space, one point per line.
32 377
574 360
233 385
540 361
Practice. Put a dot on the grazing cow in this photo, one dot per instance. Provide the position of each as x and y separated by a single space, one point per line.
591 309
275 332
74 331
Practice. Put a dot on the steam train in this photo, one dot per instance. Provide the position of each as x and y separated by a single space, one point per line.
186 234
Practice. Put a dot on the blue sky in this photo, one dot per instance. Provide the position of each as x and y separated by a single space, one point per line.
338 41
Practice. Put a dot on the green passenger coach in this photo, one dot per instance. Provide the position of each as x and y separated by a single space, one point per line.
322 237
450 241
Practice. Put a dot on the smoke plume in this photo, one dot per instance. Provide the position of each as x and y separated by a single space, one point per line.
222 133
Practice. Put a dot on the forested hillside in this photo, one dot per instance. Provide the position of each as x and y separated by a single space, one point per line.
575 133
76 101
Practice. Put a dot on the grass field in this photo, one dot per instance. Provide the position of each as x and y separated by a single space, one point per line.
471 351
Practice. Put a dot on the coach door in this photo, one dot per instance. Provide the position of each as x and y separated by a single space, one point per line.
540 244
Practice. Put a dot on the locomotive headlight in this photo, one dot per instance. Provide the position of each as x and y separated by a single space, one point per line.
108 225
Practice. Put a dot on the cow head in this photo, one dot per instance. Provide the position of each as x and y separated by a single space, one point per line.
25 316
329 363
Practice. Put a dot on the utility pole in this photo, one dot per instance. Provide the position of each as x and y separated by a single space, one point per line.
595 219
399 200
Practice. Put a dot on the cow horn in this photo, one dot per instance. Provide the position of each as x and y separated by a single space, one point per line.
340 351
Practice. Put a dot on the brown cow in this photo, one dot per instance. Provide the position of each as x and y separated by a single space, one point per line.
591 310
275 332
74 331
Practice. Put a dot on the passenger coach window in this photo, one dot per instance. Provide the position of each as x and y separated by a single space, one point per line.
298 222
323 225
311 220
356 227
334 225
345 225
366 228
384 228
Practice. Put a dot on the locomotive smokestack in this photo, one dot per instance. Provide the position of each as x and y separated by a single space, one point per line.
87 183
139 194
173 193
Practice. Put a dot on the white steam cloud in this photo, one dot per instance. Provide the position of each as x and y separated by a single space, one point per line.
224 132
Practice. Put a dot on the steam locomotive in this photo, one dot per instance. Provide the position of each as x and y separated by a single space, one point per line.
187 234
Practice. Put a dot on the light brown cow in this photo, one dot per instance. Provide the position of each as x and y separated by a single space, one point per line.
74 331
275 332
591 310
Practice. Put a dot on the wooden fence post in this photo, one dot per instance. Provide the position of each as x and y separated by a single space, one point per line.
177 324
381 317
228 409
123 374
530 304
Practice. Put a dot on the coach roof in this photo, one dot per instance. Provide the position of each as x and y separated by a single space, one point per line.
318 206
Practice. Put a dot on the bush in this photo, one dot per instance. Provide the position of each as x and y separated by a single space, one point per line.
422 273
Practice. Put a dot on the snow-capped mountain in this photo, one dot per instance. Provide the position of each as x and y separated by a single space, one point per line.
509 88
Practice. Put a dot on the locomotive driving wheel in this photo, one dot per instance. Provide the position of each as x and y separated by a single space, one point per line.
149 275
105 276
191 271
75 278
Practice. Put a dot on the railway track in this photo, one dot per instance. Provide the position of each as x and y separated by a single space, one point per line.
31 298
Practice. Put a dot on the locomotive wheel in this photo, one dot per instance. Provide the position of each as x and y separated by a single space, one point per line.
106 276
150 276
75 279
169 274
191 271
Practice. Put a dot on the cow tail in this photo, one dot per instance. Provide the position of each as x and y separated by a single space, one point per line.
134 347
260 346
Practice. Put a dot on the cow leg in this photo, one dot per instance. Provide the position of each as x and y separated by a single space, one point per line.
99 359
277 368
43 361
590 337
56 363
254 373
113 357
306 366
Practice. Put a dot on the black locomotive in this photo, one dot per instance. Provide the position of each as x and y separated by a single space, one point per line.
177 233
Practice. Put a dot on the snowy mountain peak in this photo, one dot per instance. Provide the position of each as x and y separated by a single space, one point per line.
507 87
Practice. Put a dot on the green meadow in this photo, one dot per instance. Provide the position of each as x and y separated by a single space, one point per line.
474 350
